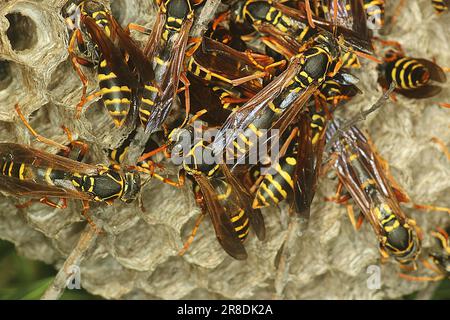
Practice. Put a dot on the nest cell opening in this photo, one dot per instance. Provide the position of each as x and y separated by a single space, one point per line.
5 74
118 10
22 31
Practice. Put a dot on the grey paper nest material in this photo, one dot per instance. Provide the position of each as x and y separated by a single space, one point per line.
137 258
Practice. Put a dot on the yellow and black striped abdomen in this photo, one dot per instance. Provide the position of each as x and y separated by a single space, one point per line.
237 215
27 172
278 186
407 72
440 6
116 95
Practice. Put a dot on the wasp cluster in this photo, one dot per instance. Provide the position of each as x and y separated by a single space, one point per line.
137 255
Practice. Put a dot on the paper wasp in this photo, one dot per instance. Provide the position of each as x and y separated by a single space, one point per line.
363 174
103 42
166 48
211 179
414 76
279 103
296 171
28 172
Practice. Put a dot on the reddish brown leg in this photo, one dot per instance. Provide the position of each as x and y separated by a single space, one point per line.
442 146
45 201
89 219
38 136
189 241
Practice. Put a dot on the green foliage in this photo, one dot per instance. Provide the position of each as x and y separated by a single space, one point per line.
21 278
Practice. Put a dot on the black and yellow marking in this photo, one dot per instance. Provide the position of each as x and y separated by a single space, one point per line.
440 6
407 72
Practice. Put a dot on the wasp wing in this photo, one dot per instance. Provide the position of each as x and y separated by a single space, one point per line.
110 52
24 154
27 188
222 225
255 108
245 199
136 55
170 80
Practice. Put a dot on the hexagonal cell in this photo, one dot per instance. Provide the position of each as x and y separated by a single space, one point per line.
22 31
6 77
136 11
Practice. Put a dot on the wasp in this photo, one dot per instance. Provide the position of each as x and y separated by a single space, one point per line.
279 103
362 173
413 76
166 49
104 43
222 210
296 172
440 6
26 171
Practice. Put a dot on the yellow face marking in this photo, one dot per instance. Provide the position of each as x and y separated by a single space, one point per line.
103 63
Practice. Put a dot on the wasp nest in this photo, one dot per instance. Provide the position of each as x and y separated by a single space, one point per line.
137 257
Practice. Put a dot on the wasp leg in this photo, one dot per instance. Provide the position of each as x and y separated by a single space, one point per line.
38 136
87 99
73 143
429 266
441 145
76 63
220 18
196 44
309 14
414 278
444 105
85 214
177 184
426 207
138 28
45 201
254 58
189 241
